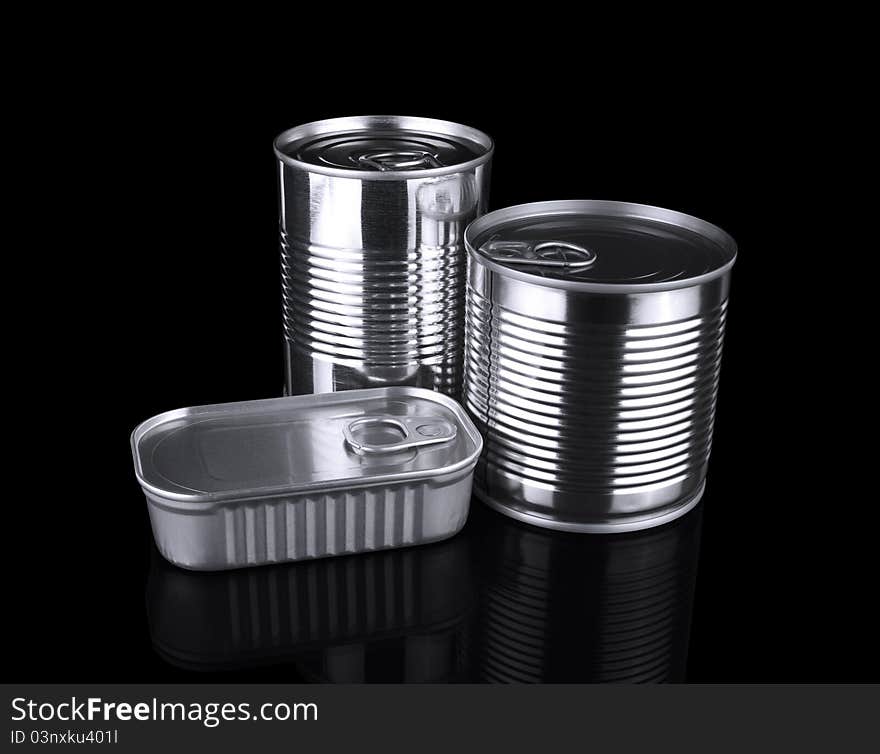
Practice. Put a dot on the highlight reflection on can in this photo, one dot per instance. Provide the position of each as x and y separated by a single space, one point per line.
594 333
372 213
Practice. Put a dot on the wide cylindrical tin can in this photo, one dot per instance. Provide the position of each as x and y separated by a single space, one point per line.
372 213
594 334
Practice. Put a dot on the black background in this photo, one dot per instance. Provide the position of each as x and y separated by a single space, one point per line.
168 295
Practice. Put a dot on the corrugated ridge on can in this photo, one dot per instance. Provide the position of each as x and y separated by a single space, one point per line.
302 527
553 411
407 311
373 211
594 390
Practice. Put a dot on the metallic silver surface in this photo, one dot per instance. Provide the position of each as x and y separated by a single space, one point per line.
372 214
276 480
594 386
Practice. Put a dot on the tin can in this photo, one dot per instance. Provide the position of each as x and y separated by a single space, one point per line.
286 479
594 334
372 213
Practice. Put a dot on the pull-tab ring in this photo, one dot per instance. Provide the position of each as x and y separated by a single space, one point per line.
405 432
563 254
399 160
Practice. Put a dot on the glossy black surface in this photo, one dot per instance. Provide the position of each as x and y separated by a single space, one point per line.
501 602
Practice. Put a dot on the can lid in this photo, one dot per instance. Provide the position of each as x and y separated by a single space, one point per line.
309 443
599 245
383 147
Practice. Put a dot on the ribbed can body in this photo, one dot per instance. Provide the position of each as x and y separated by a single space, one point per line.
596 407
373 276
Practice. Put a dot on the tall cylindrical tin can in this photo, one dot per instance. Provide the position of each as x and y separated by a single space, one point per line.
373 211
594 334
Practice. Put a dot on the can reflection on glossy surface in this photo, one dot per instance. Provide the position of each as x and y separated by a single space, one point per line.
372 213
594 334
501 602
558 607
338 620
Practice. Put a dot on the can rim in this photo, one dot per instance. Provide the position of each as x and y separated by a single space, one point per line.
639 522
598 206
366 122
172 497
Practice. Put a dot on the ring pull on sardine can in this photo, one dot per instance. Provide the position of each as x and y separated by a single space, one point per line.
286 479
594 333
390 434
